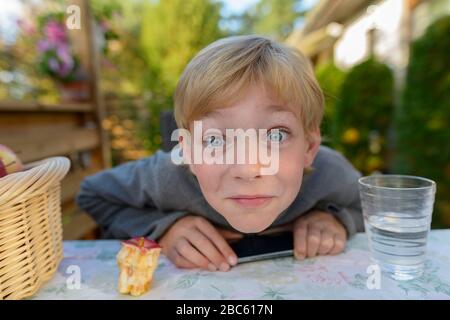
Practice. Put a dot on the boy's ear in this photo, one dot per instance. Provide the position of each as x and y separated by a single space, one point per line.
313 140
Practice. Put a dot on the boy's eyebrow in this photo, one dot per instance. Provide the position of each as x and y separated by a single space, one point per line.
277 108
280 111
270 107
213 113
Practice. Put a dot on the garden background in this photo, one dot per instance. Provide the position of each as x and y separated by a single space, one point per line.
384 67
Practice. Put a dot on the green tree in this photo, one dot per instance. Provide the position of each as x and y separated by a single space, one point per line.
422 121
274 18
172 32
330 79
363 115
123 65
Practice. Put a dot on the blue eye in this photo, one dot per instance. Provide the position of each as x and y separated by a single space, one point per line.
214 141
277 135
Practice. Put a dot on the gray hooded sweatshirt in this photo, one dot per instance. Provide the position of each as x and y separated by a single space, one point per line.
147 196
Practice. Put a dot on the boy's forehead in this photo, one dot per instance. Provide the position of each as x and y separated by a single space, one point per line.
258 116
249 106
272 109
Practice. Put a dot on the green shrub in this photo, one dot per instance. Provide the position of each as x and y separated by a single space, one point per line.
363 115
422 121
330 79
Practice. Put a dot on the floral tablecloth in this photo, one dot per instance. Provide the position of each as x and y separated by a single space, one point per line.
89 271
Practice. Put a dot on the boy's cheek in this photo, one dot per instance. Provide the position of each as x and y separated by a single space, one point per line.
201 170
291 169
208 176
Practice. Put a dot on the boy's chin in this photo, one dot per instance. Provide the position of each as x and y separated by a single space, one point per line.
250 227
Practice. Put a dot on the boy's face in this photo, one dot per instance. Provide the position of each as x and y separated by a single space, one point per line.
249 201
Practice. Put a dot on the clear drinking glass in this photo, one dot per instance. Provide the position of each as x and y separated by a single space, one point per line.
397 217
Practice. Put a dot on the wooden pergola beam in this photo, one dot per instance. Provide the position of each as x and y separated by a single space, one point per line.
314 36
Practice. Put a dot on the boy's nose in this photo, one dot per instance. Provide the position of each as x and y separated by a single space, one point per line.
246 171
247 164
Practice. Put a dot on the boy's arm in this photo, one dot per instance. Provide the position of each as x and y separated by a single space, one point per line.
345 205
122 200
338 180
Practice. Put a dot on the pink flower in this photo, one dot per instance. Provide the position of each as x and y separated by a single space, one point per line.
27 27
53 64
63 53
55 32
55 49
64 69
44 45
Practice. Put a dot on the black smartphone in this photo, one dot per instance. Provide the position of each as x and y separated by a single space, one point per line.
260 247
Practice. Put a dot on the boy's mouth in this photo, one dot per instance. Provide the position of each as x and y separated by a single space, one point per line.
251 201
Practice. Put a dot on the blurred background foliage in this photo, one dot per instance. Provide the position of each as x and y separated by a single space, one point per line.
363 115
275 18
146 44
172 32
154 40
330 79
422 121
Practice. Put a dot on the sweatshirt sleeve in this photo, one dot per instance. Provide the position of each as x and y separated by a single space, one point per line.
342 198
123 200
346 207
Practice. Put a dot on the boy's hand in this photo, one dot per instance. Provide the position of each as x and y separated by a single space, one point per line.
193 242
318 233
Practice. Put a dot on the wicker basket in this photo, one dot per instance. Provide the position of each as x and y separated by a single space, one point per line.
30 226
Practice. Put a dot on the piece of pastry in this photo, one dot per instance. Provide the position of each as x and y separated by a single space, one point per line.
137 260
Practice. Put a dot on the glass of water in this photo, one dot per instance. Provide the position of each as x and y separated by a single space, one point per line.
397 217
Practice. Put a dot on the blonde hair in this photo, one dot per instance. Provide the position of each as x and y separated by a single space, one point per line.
219 74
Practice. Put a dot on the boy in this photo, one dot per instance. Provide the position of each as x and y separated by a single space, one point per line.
194 209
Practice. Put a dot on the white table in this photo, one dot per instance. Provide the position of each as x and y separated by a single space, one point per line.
331 277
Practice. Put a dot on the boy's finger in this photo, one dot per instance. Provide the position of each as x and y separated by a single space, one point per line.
326 242
339 244
207 248
300 232
187 251
179 260
313 241
211 232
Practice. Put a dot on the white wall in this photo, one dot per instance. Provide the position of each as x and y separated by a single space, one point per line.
386 17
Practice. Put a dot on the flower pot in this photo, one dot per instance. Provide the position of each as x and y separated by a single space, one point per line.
77 91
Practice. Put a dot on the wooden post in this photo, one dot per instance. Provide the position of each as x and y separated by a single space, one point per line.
90 58
371 41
